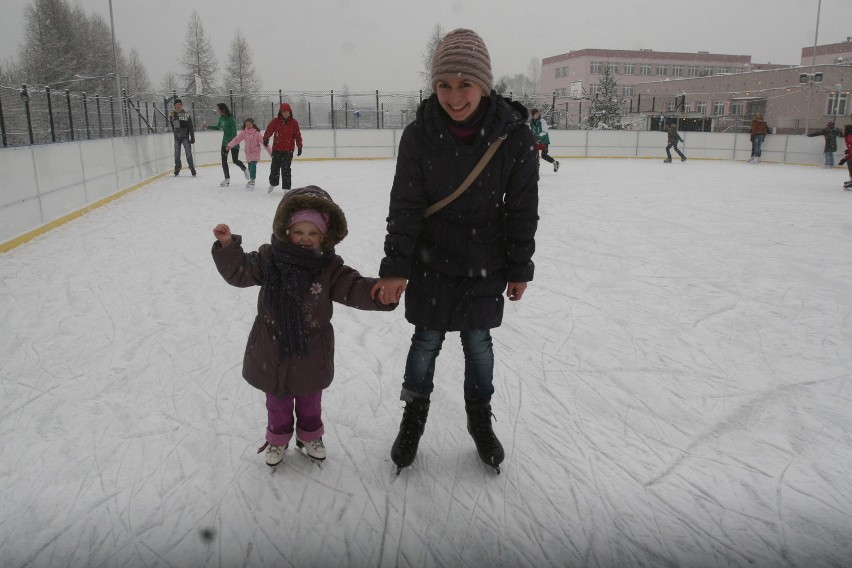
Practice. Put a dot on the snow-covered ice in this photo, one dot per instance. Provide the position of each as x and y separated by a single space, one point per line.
673 390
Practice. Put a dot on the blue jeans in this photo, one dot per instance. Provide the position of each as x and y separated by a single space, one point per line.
829 159
478 364
187 149
673 145
755 145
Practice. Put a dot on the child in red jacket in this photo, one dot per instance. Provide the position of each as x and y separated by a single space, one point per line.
288 137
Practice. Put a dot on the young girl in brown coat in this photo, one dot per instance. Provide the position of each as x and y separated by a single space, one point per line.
290 351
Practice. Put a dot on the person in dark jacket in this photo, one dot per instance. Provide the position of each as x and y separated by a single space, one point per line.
184 133
290 351
542 138
288 138
847 136
456 264
228 125
759 130
673 139
831 135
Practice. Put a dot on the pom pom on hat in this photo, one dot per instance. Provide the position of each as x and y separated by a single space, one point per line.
319 220
463 53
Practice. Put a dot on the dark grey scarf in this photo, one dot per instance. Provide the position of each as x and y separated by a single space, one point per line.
288 275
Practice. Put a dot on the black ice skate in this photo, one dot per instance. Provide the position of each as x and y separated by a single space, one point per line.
410 430
488 447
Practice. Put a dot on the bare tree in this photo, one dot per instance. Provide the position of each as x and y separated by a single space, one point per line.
198 59
47 53
171 83
137 75
534 73
241 76
426 74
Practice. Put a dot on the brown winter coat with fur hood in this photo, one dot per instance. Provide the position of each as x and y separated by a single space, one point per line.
263 366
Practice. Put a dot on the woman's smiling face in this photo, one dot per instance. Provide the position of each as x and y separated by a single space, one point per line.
459 97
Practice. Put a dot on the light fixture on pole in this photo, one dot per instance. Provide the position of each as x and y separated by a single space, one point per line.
115 62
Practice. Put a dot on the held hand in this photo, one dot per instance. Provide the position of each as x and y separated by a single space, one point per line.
192 140
389 290
222 232
266 141
515 290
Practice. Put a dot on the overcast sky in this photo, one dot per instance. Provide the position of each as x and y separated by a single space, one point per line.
378 44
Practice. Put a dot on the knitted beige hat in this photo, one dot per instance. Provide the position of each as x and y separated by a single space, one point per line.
462 53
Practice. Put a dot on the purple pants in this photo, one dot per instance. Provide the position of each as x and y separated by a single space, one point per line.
308 414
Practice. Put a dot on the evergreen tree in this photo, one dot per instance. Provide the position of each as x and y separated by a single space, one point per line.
606 108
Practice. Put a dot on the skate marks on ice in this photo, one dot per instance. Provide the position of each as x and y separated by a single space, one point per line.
673 390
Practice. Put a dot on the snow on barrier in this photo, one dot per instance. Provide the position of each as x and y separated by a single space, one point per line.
46 185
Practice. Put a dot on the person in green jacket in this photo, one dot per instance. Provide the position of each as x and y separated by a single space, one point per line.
228 125
542 139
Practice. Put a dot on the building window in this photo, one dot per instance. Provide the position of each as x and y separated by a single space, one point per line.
701 107
677 70
597 68
708 71
723 69
662 70
841 104
613 68
629 90
671 107
718 108
629 68
737 108
645 69
692 71
594 90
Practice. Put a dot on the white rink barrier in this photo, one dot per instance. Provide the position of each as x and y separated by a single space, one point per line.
46 185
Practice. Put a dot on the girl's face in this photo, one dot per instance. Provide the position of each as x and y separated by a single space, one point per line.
459 97
219 111
305 234
248 125
285 114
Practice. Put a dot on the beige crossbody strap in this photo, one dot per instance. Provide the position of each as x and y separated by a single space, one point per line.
486 157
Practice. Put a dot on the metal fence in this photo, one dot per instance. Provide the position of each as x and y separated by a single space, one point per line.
30 115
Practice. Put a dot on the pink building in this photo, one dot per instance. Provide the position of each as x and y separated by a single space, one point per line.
713 92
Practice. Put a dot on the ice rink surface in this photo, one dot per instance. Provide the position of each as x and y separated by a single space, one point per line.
673 390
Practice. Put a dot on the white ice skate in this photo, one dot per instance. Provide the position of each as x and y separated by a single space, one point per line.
225 182
271 187
246 173
250 184
274 455
315 448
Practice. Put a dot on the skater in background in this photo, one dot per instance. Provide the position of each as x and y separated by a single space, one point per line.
228 125
847 131
455 263
831 135
290 351
252 137
542 139
673 139
288 138
184 133
759 129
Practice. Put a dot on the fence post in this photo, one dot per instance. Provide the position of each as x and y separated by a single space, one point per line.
553 104
280 98
346 113
139 114
309 115
70 115
125 116
421 95
86 116
231 96
332 109
2 124
377 110
50 115
154 106
272 109
148 118
383 115
100 118
112 115
25 96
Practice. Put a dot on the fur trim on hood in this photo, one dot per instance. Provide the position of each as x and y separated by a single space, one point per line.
310 197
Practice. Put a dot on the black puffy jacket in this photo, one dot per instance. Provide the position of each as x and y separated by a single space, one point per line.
459 260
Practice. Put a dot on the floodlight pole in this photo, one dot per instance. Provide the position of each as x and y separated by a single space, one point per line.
115 62
813 67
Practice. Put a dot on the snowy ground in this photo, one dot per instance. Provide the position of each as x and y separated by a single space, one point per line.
674 389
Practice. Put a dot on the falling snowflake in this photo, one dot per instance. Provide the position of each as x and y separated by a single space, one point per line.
316 288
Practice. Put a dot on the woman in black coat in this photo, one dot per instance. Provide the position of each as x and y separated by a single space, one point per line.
456 264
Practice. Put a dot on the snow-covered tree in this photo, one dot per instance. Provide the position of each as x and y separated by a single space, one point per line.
171 83
198 57
606 107
137 75
48 54
241 76
426 74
